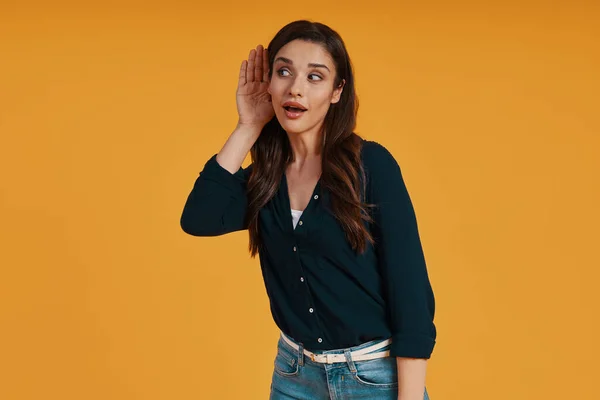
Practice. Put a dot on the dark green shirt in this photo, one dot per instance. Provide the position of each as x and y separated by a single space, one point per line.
322 293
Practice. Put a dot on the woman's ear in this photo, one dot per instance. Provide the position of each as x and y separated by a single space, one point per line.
337 92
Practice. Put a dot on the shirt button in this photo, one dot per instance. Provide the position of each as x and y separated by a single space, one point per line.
310 310
301 279
320 340
294 248
299 222
316 196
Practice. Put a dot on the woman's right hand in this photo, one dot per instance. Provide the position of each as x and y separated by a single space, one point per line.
253 101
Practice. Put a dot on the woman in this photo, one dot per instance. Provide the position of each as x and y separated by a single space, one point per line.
332 221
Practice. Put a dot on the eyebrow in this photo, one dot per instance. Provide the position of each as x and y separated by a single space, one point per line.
312 65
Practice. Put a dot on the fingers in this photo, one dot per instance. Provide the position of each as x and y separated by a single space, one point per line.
258 71
242 78
250 69
256 68
265 76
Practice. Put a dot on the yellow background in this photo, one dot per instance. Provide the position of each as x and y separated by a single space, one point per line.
108 112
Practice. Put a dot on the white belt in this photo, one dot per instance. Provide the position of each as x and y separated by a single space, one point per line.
357 355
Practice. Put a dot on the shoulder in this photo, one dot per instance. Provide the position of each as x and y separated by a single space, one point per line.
377 158
385 183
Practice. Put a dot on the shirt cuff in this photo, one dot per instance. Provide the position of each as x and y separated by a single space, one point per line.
412 346
213 171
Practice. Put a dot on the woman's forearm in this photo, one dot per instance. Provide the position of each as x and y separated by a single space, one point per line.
411 378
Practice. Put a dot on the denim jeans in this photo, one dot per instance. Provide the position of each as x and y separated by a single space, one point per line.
295 376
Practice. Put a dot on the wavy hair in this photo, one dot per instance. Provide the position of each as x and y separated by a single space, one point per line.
342 171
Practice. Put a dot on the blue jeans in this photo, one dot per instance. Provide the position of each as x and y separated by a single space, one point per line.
295 376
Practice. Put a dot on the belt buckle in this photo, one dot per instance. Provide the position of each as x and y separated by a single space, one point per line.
312 356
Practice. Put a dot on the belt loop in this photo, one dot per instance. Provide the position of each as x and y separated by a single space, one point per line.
300 354
349 361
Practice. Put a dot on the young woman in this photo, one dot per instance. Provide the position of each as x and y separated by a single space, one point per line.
330 217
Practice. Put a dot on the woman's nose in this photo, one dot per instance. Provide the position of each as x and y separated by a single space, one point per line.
296 88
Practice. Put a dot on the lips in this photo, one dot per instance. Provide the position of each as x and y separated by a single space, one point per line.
294 107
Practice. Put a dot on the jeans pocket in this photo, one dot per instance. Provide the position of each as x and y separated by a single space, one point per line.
380 372
286 362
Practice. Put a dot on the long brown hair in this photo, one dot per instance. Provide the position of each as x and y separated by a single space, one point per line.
342 172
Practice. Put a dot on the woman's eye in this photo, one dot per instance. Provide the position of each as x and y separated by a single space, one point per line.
315 77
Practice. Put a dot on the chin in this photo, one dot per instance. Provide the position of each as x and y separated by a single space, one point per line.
289 128
292 126
295 130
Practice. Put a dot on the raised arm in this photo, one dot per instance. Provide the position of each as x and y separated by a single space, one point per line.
218 201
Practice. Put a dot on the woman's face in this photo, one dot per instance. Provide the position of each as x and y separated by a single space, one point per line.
303 72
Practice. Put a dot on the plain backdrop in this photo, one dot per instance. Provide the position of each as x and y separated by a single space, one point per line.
109 110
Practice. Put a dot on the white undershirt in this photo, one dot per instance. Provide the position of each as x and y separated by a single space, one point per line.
296 216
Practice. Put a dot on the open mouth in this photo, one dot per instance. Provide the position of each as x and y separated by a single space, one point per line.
294 109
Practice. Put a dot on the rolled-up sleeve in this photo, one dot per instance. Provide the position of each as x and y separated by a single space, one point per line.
410 298
217 202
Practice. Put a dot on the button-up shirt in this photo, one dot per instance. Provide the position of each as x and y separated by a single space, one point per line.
322 293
